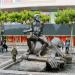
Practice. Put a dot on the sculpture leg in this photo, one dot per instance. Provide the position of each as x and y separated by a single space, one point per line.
29 40
43 49
44 46
67 50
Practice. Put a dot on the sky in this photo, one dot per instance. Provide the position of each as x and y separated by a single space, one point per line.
26 3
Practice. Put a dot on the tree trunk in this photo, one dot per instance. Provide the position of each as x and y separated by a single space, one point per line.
71 43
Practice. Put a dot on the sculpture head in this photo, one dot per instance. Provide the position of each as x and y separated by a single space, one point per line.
37 17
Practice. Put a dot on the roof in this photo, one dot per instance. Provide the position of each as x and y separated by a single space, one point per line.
53 29
15 29
49 29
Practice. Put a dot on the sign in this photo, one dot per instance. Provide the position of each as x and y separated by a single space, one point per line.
5 2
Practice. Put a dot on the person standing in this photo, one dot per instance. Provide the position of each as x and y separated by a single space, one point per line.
67 45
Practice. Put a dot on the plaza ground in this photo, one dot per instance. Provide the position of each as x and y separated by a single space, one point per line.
6 56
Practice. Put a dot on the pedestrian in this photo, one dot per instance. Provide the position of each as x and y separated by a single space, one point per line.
5 46
67 45
14 53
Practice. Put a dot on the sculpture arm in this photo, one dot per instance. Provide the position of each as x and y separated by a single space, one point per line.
26 31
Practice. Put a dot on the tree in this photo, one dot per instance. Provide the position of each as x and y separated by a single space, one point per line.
14 17
3 19
45 18
66 16
24 17
27 16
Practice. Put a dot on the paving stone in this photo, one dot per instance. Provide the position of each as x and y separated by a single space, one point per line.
7 55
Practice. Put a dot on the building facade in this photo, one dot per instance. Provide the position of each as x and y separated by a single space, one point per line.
49 7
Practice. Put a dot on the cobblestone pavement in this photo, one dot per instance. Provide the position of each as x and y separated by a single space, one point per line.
22 49
5 56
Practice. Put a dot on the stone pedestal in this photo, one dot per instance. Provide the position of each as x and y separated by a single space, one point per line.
32 66
68 59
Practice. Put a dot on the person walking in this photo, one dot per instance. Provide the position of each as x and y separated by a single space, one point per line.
14 53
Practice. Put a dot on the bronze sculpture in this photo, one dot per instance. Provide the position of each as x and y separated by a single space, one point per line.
37 29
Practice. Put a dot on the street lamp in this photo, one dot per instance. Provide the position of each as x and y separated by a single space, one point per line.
2 33
71 24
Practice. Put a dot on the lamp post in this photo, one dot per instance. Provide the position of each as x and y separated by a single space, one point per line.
2 33
71 43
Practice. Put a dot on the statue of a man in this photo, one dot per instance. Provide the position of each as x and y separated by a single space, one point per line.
37 29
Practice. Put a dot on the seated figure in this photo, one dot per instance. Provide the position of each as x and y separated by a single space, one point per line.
36 30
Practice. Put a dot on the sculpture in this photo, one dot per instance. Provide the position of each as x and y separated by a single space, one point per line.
36 29
47 50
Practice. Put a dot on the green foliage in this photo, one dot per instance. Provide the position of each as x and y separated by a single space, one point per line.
65 16
45 18
27 16
24 16
62 20
14 17
1 17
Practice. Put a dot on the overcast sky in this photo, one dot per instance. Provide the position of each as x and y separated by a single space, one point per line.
26 3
